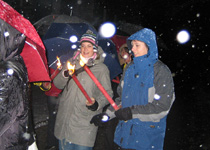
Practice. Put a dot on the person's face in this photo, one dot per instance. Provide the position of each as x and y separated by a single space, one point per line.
125 56
139 48
123 53
87 49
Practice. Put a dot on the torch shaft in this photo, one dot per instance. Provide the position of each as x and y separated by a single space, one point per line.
81 88
101 88
54 74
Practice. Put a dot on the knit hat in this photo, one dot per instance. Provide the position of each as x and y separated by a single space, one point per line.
89 36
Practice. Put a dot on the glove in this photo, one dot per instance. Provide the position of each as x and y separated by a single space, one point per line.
124 114
93 107
100 119
46 86
66 73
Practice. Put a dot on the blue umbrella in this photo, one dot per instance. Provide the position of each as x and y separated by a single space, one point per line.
58 42
111 57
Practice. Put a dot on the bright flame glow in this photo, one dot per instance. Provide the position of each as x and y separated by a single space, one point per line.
183 36
70 68
82 63
107 30
58 63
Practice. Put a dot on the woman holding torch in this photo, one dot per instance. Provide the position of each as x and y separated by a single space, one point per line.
73 128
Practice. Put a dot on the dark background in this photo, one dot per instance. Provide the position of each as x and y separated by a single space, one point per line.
188 125
189 62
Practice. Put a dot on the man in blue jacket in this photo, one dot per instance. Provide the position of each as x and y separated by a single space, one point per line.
146 94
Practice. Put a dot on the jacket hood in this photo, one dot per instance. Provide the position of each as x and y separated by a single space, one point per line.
11 42
147 36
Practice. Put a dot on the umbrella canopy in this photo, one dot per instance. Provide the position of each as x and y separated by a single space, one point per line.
111 57
119 41
58 40
43 24
58 43
33 53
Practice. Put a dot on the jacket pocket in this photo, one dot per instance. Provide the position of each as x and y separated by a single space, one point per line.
149 135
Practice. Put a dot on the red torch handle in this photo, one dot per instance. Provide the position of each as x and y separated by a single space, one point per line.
54 74
101 88
81 88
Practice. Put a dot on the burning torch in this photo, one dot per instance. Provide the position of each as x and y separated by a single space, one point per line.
59 67
71 73
45 86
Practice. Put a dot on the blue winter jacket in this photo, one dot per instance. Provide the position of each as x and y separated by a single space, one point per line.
148 89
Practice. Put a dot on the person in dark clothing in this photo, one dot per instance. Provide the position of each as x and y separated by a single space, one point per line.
52 94
52 141
52 104
16 127
110 126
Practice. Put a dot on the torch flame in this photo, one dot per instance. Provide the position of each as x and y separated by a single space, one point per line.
82 63
70 67
58 63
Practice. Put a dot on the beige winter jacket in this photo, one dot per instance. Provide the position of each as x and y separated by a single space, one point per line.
73 118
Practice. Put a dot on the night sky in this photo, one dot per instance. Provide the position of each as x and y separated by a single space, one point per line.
190 61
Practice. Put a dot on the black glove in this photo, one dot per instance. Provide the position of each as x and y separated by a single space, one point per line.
66 73
93 107
124 114
99 119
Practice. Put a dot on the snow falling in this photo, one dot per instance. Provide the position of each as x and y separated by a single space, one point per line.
189 58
